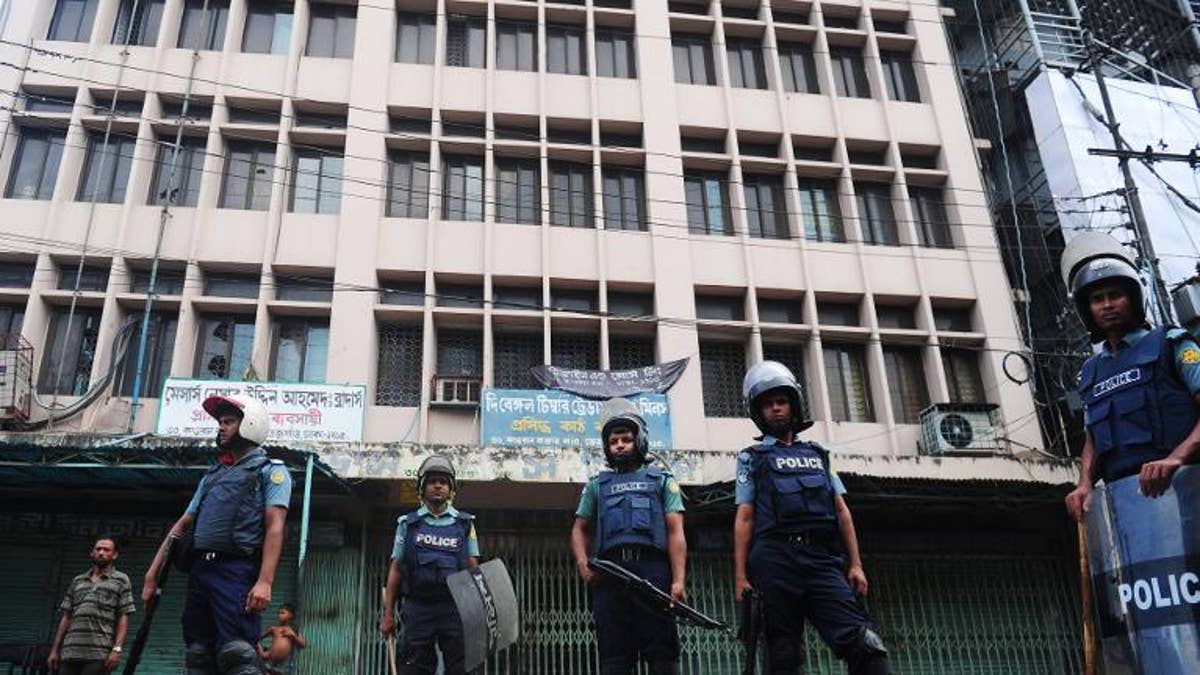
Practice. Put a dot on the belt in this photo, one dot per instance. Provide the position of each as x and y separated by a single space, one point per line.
628 553
213 556
811 538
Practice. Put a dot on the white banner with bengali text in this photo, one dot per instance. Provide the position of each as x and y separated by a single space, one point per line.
330 413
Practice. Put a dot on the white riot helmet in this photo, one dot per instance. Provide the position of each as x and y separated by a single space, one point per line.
436 465
1094 258
621 412
255 422
770 376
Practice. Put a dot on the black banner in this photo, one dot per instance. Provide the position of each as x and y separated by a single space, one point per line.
604 384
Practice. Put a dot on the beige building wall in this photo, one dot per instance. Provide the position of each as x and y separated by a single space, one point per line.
360 248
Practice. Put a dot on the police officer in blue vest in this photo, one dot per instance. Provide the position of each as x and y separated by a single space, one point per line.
238 514
638 523
793 535
431 543
1140 391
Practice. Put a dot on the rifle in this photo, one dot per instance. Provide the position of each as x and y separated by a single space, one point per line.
143 633
751 631
655 596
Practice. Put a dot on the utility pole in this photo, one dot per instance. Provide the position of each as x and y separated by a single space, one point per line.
1143 242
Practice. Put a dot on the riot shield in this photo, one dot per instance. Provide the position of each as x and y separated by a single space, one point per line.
1145 564
487 606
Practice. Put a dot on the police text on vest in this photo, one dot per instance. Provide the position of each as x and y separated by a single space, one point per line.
437 541
1119 380
782 463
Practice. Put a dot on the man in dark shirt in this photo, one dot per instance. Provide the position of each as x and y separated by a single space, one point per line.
95 616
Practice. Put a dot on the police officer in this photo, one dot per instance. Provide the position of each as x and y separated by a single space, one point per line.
238 514
431 543
793 534
638 514
1140 391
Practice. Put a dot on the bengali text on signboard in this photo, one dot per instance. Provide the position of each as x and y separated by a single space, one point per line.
548 418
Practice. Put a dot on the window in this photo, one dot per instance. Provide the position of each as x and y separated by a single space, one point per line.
460 352
303 288
626 352
575 351
745 64
231 285
87 278
630 304
137 22
474 128
693 59
36 164
460 295
721 307
766 213
565 51
791 354
617 139
899 76
559 135
798 68
67 361
399 366
570 194
179 184
615 56
821 211
72 20
466 42
929 211
203 30
525 298
758 148
317 182
867 157
166 281
963 381
415 122
713 145
875 216
518 191
896 25
411 293
16 274
408 185
196 112
331 31
849 72
58 103
956 319
416 35
268 27
515 354
11 319
906 383
462 188
573 300
722 367
849 389
838 313
895 316
156 363
707 203
299 350
255 115
225 347
781 310
320 120
624 200
846 22
516 46
249 174
106 169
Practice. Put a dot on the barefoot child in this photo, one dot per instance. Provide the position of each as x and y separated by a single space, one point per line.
277 658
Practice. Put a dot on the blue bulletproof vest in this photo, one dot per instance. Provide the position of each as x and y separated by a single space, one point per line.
793 491
1137 409
230 519
432 553
631 511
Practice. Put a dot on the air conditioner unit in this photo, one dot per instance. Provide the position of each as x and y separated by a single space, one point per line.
16 378
456 390
960 429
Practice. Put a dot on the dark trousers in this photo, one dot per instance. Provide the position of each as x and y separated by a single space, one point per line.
801 583
74 667
431 624
214 613
627 630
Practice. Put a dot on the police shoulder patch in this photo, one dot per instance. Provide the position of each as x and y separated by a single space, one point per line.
1190 356
278 476
672 485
